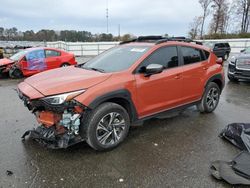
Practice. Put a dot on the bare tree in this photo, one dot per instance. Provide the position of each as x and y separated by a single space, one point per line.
242 10
195 27
205 6
220 16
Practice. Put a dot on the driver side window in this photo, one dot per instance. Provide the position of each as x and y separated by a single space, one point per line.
165 56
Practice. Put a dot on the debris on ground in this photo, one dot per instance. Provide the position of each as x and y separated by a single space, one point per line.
9 173
235 172
238 134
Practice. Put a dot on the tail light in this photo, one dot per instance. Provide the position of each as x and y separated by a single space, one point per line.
220 61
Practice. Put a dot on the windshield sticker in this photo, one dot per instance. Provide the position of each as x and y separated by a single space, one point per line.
138 50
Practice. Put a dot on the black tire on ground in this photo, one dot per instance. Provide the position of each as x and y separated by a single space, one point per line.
65 65
15 73
232 79
210 98
105 127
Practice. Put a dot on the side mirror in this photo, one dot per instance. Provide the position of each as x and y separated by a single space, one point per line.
220 61
153 69
242 50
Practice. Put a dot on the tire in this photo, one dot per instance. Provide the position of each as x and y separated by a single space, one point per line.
100 132
232 79
15 73
65 65
210 99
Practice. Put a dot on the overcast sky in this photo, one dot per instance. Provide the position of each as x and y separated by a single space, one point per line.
139 17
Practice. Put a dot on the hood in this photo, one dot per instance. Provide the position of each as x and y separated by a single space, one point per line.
5 61
243 56
63 80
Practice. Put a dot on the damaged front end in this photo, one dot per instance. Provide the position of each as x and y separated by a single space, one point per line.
4 69
59 118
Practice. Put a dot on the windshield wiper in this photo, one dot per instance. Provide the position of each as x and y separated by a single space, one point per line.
97 69
94 69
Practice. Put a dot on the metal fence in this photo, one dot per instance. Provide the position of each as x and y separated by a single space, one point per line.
236 44
95 48
83 48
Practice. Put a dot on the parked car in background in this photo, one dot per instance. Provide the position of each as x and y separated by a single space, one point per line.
34 60
239 66
1 53
222 50
137 80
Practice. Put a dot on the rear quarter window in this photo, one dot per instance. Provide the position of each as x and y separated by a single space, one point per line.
52 53
192 55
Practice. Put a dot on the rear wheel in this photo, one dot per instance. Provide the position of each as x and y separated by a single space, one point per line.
210 98
106 126
65 65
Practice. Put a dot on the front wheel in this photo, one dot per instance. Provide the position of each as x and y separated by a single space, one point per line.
15 73
210 98
106 126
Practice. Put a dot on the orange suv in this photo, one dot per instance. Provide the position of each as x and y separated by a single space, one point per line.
98 101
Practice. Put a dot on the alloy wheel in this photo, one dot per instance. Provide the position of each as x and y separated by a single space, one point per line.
110 129
212 98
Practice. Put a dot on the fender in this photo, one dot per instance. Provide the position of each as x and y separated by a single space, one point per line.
114 96
216 77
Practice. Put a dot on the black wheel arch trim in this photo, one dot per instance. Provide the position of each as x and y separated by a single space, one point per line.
113 96
216 77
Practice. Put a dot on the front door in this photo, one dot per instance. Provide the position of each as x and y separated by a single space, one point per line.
161 91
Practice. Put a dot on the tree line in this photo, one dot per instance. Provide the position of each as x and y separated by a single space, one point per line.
13 34
227 19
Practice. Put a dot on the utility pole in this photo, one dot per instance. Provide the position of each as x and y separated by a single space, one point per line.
119 31
107 16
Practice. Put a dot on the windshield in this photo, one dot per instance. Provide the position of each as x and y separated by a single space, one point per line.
117 59
18 55
247 51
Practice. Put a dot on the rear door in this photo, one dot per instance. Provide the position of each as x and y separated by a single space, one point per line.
53 59
160 91
195 65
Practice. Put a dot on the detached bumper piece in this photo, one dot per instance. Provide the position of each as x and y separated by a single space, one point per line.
49 138
235 172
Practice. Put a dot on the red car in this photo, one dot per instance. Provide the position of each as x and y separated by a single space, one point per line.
34 60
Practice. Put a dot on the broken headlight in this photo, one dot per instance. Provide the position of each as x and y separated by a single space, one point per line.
60 99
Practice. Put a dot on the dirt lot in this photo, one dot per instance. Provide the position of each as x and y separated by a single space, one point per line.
174 152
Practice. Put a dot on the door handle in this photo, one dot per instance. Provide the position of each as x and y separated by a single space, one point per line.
178 76
205 68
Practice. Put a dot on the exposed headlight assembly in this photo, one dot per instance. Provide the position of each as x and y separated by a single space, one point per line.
60 99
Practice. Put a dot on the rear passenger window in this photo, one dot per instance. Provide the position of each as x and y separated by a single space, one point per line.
192 55
219 45
52 53
166 56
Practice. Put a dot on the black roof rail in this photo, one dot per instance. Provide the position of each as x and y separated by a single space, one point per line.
160 39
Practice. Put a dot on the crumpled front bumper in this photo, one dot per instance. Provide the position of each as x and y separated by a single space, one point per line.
59 124
49 138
